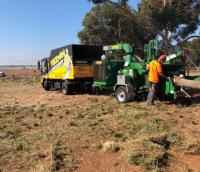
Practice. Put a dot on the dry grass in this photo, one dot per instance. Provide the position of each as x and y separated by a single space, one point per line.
150 156
25 129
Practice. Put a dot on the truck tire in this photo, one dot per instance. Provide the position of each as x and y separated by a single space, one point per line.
122 95
46 85
65 88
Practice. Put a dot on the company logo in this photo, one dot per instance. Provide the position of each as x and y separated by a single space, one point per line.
59 57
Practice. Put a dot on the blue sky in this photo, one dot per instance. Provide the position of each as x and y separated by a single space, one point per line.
29 29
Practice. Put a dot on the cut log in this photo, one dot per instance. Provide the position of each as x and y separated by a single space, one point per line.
187 83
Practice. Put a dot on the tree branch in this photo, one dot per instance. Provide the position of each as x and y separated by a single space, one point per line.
156 31
188 38
120 2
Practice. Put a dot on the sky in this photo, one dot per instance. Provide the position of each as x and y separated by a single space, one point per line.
29 29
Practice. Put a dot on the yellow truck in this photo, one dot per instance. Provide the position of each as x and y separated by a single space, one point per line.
69 68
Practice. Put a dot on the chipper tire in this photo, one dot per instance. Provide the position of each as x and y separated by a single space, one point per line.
122 95
66 88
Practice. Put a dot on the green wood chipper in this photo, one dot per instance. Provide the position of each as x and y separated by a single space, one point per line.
124 73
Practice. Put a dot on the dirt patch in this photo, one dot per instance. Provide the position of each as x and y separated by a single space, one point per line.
105 161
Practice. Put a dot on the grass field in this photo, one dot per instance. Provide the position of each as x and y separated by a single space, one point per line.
48 131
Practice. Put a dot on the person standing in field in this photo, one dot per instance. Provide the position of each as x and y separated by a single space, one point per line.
155 72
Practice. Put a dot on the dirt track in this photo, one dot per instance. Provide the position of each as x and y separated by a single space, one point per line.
47 131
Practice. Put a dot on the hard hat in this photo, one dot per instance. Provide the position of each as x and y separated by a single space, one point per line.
162 58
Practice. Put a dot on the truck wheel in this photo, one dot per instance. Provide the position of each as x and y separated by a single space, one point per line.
46 85
65 88
122 95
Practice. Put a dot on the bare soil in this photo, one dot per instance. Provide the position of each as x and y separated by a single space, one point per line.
48 131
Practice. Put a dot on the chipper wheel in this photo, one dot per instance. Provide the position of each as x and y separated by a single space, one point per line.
66 88
122 95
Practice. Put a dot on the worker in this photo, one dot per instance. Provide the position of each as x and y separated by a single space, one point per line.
155 72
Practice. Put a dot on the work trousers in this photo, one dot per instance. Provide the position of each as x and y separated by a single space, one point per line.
151 94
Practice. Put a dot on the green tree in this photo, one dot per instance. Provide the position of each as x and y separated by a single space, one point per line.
106 24
113 21
119 2
172 19
193 47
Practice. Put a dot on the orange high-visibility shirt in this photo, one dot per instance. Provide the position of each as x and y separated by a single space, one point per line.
155 68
